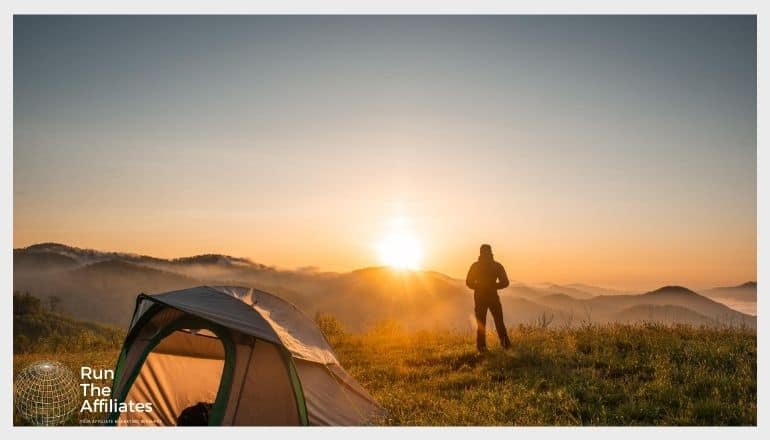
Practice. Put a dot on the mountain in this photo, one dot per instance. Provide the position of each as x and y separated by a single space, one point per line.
742 297
102 286
81 256
572 291
683 297
44 261
419 299
667 314
520 290
597 291
746 292
605 308
70 254
104 291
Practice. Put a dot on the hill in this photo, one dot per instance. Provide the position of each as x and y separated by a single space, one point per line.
606 308
572 291
666 314
742 297
597 375
42 261
744 292
37 329
586 375
104 291
102 286
596 291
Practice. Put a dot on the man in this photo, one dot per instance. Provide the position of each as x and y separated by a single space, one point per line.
485 277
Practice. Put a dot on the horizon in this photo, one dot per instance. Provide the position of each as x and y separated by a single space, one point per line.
315 269
614 151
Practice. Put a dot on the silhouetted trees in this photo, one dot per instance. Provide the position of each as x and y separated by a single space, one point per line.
39 329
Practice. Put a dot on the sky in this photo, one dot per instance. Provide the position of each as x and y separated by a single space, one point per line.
608 150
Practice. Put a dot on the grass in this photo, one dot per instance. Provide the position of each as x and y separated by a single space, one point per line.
592 375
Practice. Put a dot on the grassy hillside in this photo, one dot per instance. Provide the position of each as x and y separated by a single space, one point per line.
591 375
36 329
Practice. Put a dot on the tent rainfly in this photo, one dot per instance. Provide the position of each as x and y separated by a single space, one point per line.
251 355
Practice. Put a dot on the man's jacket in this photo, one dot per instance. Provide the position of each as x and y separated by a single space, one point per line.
486 276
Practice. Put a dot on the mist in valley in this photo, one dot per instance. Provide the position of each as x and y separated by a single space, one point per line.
102 287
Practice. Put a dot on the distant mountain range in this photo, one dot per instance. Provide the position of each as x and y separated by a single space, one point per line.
102 286
742 298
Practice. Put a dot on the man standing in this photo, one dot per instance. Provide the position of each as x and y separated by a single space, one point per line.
485 277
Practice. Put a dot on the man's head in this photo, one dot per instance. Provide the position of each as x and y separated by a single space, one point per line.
485 251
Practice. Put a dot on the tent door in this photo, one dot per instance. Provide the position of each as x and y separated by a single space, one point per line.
188 362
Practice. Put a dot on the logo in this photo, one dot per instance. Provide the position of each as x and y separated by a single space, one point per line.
46 393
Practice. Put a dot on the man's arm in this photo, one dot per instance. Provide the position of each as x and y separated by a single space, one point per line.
470 280
502 277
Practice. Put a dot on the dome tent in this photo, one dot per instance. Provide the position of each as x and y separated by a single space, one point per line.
256 358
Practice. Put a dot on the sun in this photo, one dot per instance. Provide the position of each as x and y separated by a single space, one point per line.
400 249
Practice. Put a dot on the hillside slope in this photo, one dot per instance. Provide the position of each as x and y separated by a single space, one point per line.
614 375
666 314
36 329
104 291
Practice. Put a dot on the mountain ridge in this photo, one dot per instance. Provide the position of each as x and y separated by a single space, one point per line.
103 285
229 260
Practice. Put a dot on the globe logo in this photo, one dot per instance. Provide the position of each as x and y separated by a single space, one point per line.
46 393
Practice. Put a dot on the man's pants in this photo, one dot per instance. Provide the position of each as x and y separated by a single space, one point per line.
491 303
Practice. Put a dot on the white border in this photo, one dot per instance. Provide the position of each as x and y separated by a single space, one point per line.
388 7
379 7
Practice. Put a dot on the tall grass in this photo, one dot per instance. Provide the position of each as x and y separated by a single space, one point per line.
588 375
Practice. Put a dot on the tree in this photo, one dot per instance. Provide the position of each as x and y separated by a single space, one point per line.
54 302
26 304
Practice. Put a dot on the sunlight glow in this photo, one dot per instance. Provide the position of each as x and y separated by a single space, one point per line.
400 249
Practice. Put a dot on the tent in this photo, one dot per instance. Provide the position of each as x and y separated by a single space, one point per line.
255 357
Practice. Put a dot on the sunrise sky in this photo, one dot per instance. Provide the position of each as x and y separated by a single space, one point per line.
606 150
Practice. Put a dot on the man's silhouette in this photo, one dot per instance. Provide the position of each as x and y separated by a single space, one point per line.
486 276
